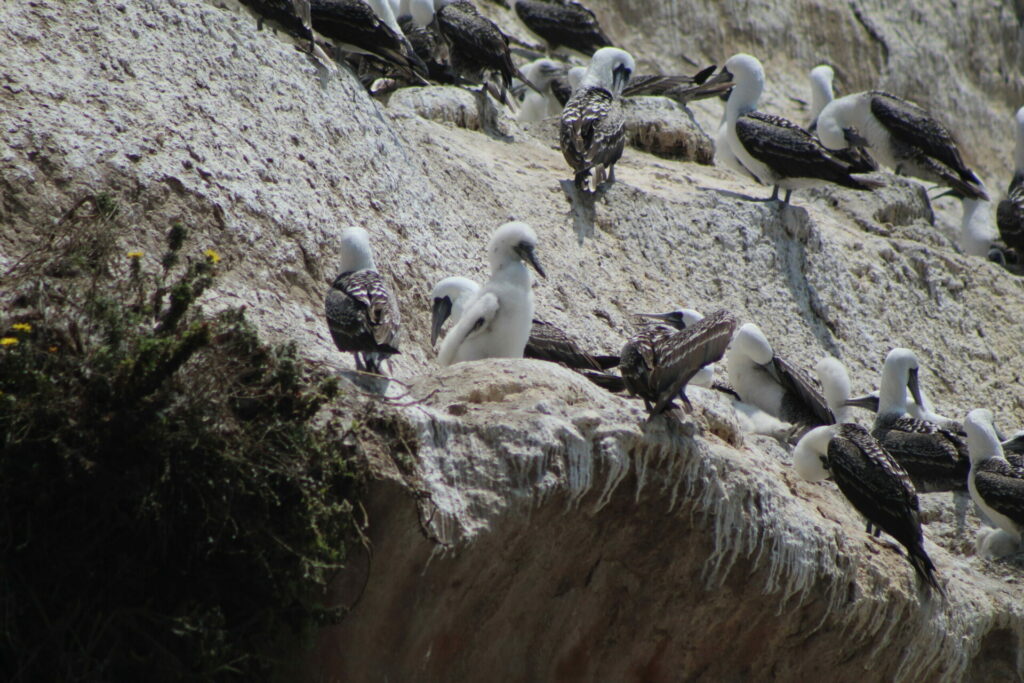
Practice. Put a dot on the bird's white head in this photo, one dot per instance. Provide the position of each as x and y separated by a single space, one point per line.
514 242
811 453
610 68
542 71
1019 156
982 442
448 299
821 88
835 385
899 373
747 74
751 342
356 253
844 120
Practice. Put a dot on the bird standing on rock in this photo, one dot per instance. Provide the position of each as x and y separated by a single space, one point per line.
362 315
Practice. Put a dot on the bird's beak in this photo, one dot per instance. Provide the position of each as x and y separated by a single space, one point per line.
526 252
914 385
721 77
869 402
620 77
948 193
439 313
703 75
664 317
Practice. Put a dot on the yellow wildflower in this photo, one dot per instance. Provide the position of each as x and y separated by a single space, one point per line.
134 254
212 256
22 327
9 341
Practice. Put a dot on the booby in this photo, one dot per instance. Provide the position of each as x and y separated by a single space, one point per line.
923 411
774 150
874 483
936 458
659 360
496 323
996 485
680 319
769 382
1010 212
366 27
362 315
563 23
592 128
476 44
976 230
543 104
901 135
451 296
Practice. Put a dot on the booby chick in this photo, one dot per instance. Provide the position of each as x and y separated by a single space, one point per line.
476 44
496 323
563 23
592 128
543 104
874 483
772 149
362 315
366 27
996 485
1010 212
935 458
901 135
658 361
769 382
450 298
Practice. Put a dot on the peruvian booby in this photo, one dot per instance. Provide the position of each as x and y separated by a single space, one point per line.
563 23
901 135
680 319
1010 212
366 27
996 485
772 149
924 412
874 483
935 458
547 341
771 383
362 315
592 128
497 322
658 361
476 44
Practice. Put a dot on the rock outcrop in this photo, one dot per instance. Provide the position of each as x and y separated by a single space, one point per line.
542 526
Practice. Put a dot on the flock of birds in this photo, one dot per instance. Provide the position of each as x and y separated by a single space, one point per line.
909 447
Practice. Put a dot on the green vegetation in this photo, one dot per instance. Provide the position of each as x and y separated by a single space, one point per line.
174 495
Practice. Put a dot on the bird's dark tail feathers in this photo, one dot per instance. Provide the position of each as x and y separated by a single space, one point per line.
924 567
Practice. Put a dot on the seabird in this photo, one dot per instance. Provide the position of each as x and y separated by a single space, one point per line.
821 91
496 323
901 135
452 295
919 412
874 483
563 23
996 484
769 382
772 149
592 128
680 319
543 104
366 27
362 315
936 458
659 360
976 230
1010 212
476 44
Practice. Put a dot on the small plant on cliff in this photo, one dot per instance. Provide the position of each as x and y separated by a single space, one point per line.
171 505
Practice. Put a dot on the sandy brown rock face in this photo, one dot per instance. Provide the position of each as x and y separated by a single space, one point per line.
553 532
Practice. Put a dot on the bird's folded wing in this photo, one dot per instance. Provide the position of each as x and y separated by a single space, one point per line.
474 321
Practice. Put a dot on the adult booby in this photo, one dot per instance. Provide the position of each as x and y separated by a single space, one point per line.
775 150
366 27
543 104
769 382
362 315
475 43
592 128
563 23
1010 212
936 458
659 360
996 485
451 296
874 483
901 135
496 323
680 319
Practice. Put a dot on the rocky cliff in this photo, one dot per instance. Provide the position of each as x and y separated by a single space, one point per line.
535 526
